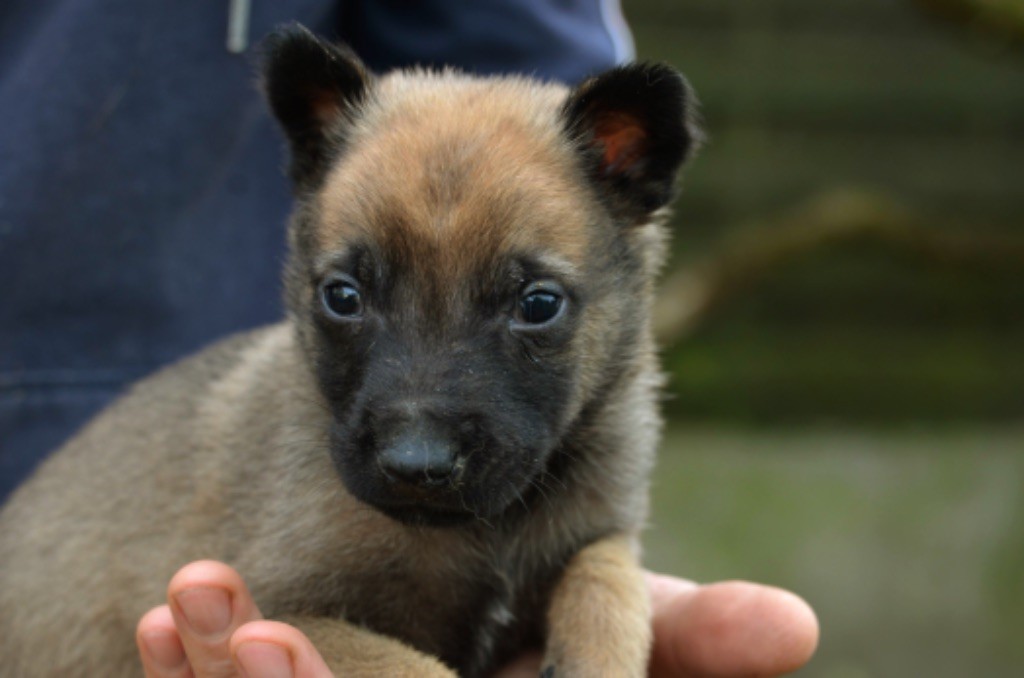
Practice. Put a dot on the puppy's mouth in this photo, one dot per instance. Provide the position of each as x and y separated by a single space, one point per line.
423 478
428 502
422 515
453 502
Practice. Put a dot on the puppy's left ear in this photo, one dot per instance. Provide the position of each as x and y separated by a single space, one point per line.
635 126
313 87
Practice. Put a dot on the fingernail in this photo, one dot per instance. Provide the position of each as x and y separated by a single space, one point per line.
207 610
164 648
264 660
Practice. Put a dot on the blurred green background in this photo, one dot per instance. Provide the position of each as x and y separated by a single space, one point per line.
843 322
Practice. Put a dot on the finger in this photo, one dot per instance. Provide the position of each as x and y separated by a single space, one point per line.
266 649
209 601
160 648
729 629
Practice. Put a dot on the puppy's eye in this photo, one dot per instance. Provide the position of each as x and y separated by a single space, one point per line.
539 306
342 299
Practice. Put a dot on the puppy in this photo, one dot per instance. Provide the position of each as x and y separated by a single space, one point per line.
440 458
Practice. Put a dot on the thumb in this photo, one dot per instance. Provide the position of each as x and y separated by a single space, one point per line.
728 629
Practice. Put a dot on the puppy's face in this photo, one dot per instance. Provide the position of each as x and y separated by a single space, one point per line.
471 264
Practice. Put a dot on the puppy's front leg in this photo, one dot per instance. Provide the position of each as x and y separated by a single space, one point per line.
354 652
599 620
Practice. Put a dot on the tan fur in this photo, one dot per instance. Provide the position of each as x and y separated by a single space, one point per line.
356 653
602 595
224 455
485 168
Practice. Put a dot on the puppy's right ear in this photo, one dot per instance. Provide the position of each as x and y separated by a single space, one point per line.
313 87
634 126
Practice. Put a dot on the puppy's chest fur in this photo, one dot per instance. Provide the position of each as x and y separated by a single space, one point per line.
474 597
458 602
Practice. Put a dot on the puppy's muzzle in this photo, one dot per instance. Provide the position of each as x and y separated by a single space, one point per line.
420 455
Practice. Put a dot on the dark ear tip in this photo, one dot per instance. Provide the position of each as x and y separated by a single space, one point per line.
283 38
690 110
666 81
673 85
288 34
646 78
659 81
292 48
655 72
651 75
286 45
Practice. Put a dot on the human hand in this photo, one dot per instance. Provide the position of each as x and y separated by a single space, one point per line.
211 628
733 628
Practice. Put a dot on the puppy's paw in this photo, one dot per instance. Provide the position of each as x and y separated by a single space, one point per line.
593 662
599 618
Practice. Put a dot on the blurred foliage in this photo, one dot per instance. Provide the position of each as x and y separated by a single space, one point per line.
851 295
793 303
849 252
1003 18
908 544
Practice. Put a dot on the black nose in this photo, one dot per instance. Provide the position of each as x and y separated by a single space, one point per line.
420 457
